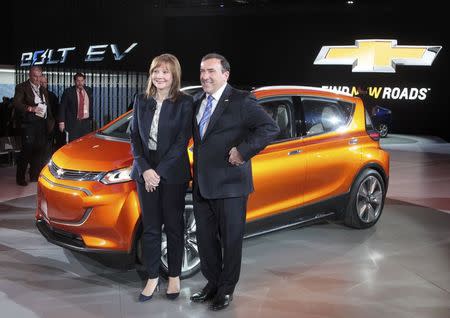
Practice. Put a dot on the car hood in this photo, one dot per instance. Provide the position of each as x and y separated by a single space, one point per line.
94 152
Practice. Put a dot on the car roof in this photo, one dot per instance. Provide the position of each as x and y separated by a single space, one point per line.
303 88
276 89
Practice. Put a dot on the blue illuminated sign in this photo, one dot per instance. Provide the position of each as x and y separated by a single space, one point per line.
95 53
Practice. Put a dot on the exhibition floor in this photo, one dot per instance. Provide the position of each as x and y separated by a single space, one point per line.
398 268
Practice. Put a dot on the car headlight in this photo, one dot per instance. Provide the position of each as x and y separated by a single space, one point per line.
117 176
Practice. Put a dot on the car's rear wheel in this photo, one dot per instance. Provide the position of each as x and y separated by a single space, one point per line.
366 200
191 260
383 129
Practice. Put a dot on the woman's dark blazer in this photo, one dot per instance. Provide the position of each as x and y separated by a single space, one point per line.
174 132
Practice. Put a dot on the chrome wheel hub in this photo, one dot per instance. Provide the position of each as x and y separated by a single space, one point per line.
369 199
383 129
191 258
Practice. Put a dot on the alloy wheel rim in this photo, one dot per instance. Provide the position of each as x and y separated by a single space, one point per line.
191 258
369 199
383 129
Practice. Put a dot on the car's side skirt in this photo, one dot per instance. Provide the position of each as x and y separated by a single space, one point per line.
302 215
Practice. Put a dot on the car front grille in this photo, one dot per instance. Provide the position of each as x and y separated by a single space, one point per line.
77 175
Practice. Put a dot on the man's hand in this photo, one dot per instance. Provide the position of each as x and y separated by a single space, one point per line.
151 179
31 109
235 157
40 110
61 126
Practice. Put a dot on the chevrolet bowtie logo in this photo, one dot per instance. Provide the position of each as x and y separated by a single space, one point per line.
377 56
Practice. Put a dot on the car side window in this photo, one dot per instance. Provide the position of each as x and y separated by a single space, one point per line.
280 110
322 115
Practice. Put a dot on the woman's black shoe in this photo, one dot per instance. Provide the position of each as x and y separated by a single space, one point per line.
172 296
143 298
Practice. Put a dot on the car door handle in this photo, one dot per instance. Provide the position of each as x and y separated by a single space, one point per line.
294 152
353 141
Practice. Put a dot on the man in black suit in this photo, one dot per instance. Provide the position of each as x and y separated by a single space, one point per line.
229 129
75 115
53 101
32 106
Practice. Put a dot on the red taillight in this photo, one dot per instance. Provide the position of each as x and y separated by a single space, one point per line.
375 135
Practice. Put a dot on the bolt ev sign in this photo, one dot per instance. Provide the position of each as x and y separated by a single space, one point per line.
95 53
377 56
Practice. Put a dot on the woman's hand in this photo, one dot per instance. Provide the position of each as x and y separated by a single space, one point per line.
151 179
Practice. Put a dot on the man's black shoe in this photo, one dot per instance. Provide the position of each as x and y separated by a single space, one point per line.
204 295
22 183
221 301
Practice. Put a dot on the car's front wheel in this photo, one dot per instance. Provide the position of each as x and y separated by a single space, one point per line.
191 260
366 200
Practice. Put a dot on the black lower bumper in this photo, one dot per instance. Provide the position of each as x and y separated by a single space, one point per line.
69 240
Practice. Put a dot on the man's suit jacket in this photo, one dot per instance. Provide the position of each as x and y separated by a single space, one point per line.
54 102
174 132
69 107
237 121
24 97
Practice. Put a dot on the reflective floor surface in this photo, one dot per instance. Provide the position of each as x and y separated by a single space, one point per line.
399 268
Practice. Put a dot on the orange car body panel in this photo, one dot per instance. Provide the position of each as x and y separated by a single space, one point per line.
107 216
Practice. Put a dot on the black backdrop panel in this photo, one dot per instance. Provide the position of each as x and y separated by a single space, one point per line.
267 43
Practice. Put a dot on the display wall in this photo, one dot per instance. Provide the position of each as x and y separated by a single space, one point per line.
267 43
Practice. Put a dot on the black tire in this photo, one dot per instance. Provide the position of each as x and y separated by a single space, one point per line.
366 202
191 259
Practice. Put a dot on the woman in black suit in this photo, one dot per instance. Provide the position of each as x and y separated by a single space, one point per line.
160 131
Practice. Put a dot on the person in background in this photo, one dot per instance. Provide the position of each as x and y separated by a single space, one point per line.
31 105
130 105
53 101
76 110
4 116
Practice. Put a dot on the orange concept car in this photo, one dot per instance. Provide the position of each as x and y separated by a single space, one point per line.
326 162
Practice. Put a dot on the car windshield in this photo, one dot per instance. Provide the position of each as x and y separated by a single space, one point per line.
121 128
